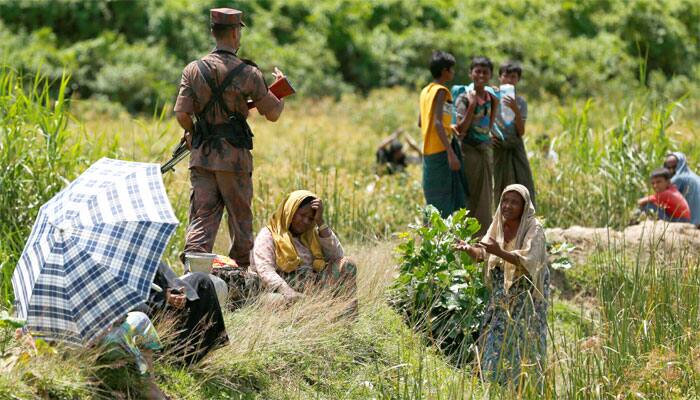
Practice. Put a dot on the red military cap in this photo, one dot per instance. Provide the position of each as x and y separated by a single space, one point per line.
226 16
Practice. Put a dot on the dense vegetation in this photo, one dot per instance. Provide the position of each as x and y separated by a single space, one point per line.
132 52
631 332
38 156
605 149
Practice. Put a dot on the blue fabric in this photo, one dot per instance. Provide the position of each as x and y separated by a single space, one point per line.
457 90
660 213
443 188
93 251
135 333
688 183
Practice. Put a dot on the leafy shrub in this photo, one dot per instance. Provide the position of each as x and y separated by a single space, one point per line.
141 77
439 290
138 76
28 53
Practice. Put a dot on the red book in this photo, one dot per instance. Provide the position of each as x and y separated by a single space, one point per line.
280 88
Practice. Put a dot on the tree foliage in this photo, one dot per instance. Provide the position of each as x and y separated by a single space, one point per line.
331 47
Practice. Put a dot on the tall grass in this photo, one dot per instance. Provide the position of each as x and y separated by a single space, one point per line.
317 145
646 339
604 167
37 157
637 339
647 305
304 351
606 149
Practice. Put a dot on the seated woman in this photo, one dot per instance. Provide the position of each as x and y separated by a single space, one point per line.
514 327
193 303
297 250
687 182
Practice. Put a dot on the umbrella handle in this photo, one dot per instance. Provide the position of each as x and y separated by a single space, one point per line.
156 288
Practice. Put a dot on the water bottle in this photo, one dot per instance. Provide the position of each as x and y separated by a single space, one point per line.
506 113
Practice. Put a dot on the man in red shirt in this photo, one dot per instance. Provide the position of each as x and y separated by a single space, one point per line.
667 202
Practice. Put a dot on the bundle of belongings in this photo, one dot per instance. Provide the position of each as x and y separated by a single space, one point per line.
239 283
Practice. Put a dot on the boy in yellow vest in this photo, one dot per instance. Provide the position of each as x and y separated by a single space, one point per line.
442 178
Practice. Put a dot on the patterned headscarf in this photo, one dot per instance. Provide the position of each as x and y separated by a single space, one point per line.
285 253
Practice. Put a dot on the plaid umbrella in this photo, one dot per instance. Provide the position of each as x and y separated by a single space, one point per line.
93 251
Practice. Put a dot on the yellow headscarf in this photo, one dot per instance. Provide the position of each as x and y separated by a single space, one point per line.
285 253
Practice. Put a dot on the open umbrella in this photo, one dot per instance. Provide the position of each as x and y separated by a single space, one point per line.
93 251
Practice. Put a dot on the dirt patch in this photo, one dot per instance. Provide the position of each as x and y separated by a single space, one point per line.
661 240
648 235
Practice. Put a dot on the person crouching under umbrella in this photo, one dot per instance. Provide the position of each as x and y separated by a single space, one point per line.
192 303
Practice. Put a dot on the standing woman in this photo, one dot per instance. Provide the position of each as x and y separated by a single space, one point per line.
514 327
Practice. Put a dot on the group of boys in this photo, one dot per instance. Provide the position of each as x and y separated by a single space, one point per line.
471 149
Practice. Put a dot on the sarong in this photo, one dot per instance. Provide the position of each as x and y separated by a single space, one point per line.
478 173
443 188
511 166
513 342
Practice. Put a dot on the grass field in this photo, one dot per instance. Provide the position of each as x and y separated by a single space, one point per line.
635 338
606 152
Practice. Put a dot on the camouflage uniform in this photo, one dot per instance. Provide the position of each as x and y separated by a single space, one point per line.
514 331
221 177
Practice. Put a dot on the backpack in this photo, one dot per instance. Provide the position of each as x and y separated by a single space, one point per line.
457 90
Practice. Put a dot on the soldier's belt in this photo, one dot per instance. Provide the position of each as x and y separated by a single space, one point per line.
237 135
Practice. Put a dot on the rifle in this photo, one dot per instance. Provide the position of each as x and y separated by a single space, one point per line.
180 152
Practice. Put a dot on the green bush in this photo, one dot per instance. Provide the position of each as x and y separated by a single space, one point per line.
439 290
29 53
141 77
330 48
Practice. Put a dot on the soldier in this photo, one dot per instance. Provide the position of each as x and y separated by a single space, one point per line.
214 90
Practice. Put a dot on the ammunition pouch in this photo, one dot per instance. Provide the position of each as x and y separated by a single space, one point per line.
236 131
